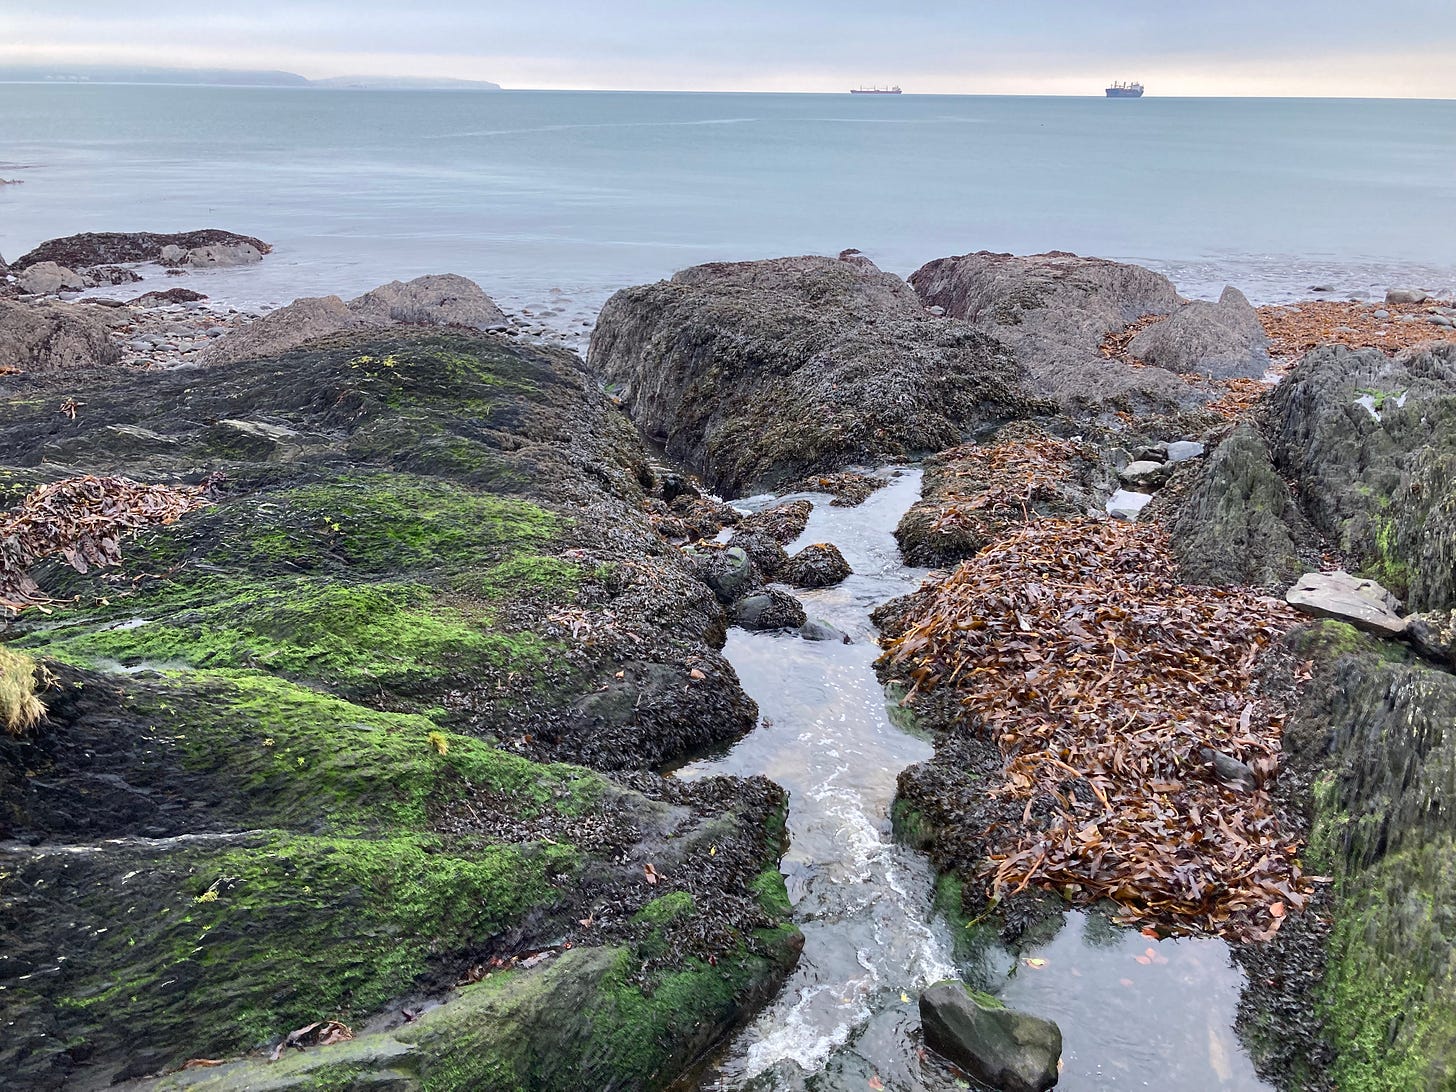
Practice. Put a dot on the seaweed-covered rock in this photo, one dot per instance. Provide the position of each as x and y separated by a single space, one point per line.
1378 739
729 571
1222 340
1371 443
300 760
1234 525
1055 310
756 374
118 247
771 608
818 565
782 522
763 549
54 337
1007 1049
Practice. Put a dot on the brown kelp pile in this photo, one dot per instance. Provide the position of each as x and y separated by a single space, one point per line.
1120 701
82 520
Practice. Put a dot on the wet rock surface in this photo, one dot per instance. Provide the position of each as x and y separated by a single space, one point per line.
757 374
53 337
1222 340
818 565
322 722
118 247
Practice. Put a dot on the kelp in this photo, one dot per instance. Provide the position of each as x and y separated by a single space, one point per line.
1107 686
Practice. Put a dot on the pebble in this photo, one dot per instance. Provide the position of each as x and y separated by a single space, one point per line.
1382 313
1440 320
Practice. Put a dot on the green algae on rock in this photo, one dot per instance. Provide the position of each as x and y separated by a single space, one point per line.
300 759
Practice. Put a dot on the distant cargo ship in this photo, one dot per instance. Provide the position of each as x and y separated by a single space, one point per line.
874 91
1125 91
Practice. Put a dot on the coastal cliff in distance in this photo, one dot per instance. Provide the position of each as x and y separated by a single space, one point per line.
230 77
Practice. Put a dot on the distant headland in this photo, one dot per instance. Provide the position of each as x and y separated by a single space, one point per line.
230 77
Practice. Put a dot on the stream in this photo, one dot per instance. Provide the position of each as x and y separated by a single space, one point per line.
1134 1012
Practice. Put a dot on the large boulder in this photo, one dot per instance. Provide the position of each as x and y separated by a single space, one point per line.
1009 1050
215 254
1056 310
283 329
444 299
94 248
48 279
52 337
1370 443
1222 340
1236 525
756 374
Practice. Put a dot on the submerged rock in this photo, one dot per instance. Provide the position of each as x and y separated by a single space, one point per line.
1222 340
1007 1049
1055 310
758 374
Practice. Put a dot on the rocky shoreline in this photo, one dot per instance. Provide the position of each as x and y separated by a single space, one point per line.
371 687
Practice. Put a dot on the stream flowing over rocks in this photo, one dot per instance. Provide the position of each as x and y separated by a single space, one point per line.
376 711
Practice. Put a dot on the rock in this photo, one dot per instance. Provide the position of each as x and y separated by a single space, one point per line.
1145 475
783 522
1222 340
48 278
222 254
166 298
172 254
255 440
728 571
283 329
109 275
1406 295
816 629
1380 313
1180 451
1127 504
1440 320
816 566
4 268
1338 595
1238 522
1009 1050
1434 636
763 549
440 300
140 345
771 608
1381 484
51 337
1055 311
1231 773
758 374
114 248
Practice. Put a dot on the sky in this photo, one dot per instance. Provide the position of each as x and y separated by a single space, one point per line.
1344 48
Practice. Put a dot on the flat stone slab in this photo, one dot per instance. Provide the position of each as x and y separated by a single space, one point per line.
1126 504
1363 603
1180 451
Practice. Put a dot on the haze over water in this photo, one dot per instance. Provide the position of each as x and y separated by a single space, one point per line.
591 191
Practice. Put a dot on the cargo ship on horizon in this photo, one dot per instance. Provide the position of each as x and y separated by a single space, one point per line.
1132 90
875 90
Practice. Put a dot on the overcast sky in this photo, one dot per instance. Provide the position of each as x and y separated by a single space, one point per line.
1213 47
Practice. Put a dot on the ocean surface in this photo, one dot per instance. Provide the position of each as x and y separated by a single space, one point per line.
583 193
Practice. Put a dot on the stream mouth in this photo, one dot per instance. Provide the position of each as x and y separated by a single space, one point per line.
1134 1012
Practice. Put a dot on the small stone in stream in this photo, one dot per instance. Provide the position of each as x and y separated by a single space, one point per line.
1231 773
771 608
1363 603
816 629
1009 1050
1125 504
816 566
1406 295
1180 451
728 571
1145 474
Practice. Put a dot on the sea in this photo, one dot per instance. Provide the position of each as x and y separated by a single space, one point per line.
553 200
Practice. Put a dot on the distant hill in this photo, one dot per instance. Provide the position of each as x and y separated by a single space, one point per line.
226 77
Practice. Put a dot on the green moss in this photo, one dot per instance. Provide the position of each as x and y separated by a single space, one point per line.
665 908
772 894
1387 564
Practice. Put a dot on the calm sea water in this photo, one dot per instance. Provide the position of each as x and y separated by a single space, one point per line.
586 192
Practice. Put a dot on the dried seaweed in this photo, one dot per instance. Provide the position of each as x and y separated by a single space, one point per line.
1070 645
82 520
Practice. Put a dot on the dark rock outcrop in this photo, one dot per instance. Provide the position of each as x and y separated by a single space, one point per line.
771 608
53 337
1234 525
1371 443
118 247
1055 310
756 374
1222 340
1007 1049
729 571
763 549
